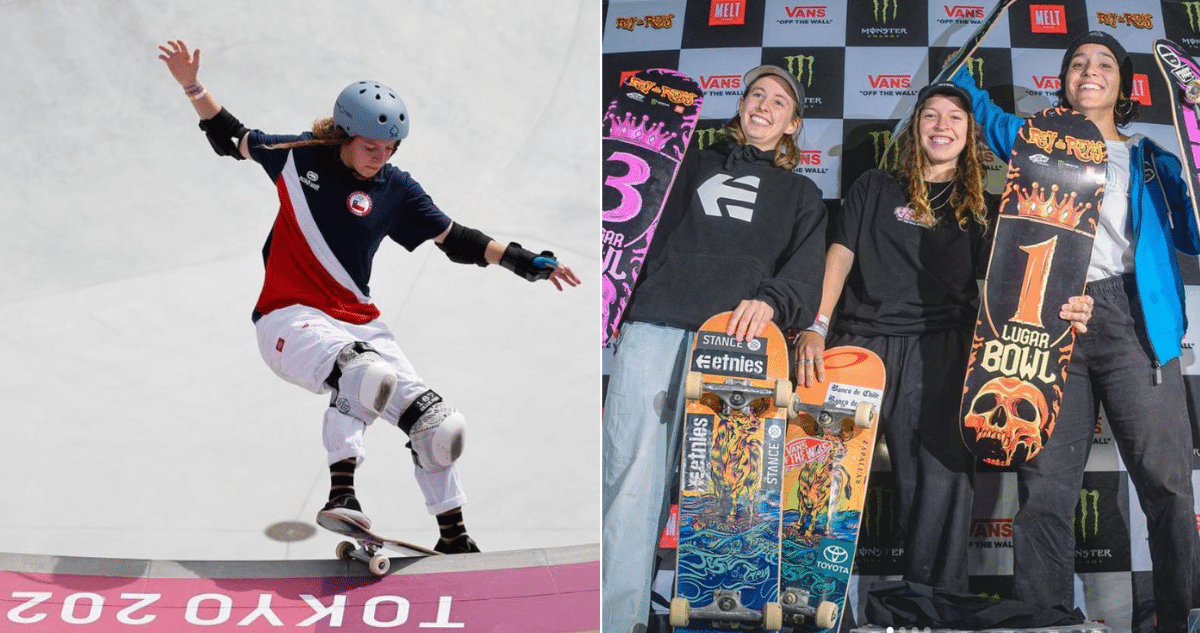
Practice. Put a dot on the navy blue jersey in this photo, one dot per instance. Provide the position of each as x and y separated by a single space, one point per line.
331 223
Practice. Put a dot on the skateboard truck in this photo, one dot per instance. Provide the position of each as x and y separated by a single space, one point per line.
863 414
736 393
726 611
796 609
366 552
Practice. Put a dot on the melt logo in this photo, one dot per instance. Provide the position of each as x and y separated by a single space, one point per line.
1141 89
359 203
727 12
1047 18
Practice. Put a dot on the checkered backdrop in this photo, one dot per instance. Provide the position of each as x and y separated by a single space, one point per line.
862 63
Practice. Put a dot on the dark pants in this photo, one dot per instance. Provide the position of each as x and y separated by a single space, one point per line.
1112 364
933 469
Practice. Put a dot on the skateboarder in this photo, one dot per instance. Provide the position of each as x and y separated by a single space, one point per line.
1130 360
749 248
316 325
901 271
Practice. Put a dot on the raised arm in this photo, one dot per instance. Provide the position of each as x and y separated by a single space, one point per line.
226 134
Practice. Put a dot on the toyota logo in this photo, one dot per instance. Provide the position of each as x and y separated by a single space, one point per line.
836 554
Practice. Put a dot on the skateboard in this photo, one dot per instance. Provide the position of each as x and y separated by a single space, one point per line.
367 544
738 399
953 64
1043 241
1183 75
647 128
828 453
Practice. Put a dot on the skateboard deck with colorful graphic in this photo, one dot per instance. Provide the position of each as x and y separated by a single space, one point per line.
647 128
738 400
828 453
367 544
1182 75
1043 243
952 65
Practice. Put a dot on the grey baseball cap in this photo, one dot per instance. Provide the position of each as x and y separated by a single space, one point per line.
797 90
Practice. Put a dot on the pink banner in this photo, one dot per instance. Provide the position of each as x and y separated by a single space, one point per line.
548 599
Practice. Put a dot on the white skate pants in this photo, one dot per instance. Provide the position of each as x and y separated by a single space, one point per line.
300 344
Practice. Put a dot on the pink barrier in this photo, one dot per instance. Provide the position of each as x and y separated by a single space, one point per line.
540 599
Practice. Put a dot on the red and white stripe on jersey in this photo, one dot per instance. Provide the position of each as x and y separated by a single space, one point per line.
301 267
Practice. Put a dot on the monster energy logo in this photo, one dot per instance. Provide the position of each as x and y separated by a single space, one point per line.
1089 508
801 67
879 144
877 513
706 137
974 66
882 8
1193 15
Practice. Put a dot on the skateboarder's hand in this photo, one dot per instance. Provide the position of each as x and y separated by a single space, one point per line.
184 65
563 275
810 358
749 319
1077 310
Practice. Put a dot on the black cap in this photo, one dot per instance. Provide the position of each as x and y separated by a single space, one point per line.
946 88
1124 63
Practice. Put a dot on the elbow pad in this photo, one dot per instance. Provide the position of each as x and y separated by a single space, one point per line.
465 246
224 132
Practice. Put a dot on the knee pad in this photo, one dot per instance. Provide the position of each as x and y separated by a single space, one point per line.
435 430
362 382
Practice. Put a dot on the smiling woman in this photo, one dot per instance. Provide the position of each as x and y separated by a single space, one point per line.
700 264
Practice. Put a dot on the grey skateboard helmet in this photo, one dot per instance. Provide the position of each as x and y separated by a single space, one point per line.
372 110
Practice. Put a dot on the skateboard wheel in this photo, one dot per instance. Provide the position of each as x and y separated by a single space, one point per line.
783 393
343 550
379 564
1192 94
827 615
773 616
693 385
681 612
864 415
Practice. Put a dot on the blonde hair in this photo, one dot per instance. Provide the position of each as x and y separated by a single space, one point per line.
325 132
966 196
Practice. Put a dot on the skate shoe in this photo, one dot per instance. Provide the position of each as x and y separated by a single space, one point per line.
340 511
464 544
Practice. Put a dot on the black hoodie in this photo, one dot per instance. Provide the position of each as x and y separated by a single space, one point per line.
735 227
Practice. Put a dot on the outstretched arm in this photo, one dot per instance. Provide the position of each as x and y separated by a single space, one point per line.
184 65
468 246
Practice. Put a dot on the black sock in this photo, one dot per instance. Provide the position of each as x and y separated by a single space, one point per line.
451 525
341 478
